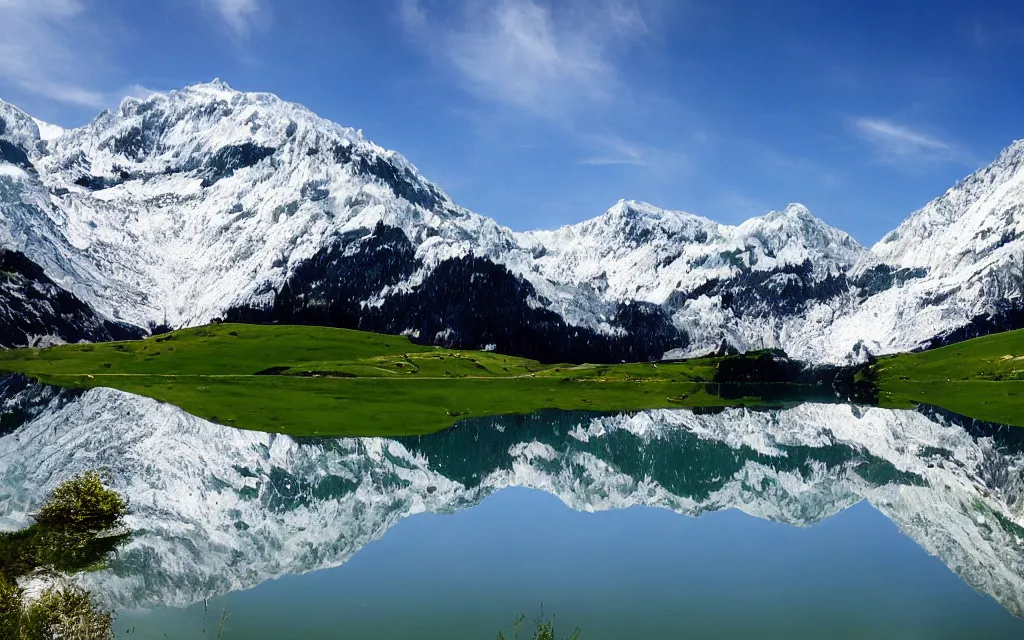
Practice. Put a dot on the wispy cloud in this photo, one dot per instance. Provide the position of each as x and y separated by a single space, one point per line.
241 16
735 206
558 61
551 60
61 51
612 150
899 144
47 47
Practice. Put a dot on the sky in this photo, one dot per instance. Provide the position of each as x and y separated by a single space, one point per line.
542 113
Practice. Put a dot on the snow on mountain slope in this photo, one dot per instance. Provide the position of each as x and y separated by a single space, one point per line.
209 202
981 216
199 199
32 220
636 251
749 286
216 509
48 131
953 269
189 204
36 312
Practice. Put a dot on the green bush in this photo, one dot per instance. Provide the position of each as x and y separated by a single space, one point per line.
10 609
83 502
66 613
71 534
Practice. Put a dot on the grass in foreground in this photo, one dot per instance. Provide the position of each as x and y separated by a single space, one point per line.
982 378
323 381
543 629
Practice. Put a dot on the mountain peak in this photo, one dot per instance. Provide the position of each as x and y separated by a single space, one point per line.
793 210
797 209
1012 155
980 214
796 217
216 83
203 200
17 126
634 209
216 89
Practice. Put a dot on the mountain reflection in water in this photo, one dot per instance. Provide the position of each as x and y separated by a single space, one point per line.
216 509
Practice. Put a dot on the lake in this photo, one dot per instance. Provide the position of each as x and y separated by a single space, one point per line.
819 520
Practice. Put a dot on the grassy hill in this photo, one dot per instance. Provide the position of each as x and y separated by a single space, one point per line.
305 380
982 378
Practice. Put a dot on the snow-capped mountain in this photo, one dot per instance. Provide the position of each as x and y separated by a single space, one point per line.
215 509
960 261
636 251
209 202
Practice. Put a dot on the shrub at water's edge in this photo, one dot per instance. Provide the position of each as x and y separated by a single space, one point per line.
75 530
83 503
65 612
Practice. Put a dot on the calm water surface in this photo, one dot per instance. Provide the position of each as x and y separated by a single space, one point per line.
813 521
637 572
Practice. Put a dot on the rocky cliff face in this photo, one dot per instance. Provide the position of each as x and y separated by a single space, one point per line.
208 202
34 311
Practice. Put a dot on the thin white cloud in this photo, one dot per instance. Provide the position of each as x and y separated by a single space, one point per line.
549 59
241 16
613 150
555 60
992 34
412 15
636 159
47 48
898 143
737 206
59 50
610 150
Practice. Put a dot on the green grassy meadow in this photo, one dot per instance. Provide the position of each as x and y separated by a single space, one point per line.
322 381
982 378
305 380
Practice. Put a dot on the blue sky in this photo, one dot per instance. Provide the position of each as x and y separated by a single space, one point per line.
545 113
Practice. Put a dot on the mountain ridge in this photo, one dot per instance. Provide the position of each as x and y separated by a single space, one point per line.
207 202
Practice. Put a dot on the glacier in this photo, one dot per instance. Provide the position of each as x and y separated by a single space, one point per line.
207 202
